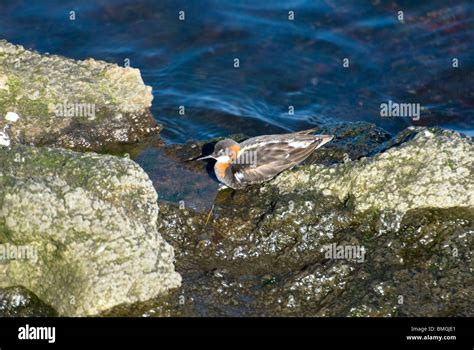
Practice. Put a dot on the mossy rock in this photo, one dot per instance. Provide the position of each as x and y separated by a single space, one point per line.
81 105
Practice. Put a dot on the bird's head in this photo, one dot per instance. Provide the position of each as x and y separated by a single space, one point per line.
225 151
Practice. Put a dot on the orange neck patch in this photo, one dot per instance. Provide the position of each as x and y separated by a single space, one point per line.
220 169
235 149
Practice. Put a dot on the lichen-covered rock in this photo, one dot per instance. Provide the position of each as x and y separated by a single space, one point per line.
89 222
263 250
82 105
20 302
432 169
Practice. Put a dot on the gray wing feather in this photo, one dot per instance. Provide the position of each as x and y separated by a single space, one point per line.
272 158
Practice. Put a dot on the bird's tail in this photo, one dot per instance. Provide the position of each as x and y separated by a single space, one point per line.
307 132
323 138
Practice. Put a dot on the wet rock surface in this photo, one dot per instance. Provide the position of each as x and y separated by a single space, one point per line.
266 250
20 302
87 227
81 105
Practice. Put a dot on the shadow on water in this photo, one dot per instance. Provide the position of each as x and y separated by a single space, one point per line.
177 181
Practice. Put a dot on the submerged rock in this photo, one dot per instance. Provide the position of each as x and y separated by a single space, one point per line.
402 219
20 302
82 105
79 230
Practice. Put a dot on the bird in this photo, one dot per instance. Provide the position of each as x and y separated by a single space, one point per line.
261 158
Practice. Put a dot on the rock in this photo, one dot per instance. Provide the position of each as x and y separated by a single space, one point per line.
352 141
433 164
82 105
20 302
424 268
432 169
86 224
263 251
421 269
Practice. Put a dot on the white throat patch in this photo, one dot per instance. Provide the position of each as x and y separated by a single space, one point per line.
223 159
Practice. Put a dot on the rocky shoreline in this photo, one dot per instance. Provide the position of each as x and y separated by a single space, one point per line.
264 250
370 225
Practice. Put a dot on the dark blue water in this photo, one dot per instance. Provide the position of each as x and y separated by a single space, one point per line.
282 63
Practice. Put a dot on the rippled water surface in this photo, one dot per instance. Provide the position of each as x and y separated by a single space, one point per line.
282 63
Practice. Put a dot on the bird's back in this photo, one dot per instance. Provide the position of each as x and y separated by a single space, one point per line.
263 157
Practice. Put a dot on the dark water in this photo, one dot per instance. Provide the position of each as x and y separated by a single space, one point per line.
283 63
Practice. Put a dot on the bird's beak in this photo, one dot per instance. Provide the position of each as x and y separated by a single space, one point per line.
206 157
